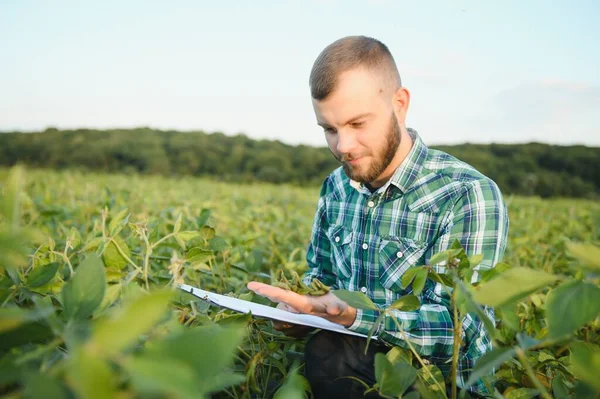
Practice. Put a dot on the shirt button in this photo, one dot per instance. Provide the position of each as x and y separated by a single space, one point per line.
371 204
399 254
365 246
337 239
363 290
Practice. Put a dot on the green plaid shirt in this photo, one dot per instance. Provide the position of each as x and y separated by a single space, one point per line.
365 241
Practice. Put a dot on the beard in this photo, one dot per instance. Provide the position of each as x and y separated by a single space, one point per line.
381 160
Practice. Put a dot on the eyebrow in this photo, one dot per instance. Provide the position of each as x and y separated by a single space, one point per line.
349 121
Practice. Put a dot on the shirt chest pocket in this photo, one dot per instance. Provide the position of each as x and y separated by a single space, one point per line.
396 256
341 250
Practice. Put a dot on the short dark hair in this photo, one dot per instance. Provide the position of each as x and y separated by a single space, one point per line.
348 53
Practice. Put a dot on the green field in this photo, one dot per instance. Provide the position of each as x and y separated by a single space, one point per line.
84 259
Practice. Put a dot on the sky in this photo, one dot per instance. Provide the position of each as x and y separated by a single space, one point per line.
479 72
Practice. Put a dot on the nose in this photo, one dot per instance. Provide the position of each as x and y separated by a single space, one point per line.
346 143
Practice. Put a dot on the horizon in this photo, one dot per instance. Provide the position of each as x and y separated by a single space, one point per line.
507 73
324 146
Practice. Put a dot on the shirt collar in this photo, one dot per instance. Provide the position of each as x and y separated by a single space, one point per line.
406 173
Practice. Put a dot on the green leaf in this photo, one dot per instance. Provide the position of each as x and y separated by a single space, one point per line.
430 383
111 255
218 244
443 279
197 254
570 306
30 333
112 334
168 376
44 386
406 303
374 328
409 275
203 218
112 294
42 274
207 232
118 222
419 282
187 235
90 377
355 299
13 317
9 202
85 291
512 285
545 355
74 237
294 386
177 225
559 389
509 317
238 319
222 381
522 393
475 260
399 354
51 244
464 298
93 244
584 390
393 379
441 257
587 254
208 349
488 362
585 361
14 248
494 272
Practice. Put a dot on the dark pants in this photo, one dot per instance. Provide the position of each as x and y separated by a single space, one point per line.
329 356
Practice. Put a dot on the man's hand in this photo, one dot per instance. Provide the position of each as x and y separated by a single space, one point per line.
327 306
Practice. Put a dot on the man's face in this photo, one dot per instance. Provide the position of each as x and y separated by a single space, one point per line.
360 126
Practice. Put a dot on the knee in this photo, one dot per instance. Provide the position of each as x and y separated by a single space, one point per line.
322 350
323 344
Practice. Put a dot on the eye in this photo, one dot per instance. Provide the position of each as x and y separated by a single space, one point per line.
357 125
328 130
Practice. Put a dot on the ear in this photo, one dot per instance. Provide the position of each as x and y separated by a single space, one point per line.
400 102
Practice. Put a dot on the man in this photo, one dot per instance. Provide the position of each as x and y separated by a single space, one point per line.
391 206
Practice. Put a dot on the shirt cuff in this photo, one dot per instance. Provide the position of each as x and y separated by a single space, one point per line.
364 321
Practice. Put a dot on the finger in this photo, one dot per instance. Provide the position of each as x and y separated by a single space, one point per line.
300 302
288 308
268 291
334 310
282 325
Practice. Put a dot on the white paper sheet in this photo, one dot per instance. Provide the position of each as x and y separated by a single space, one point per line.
259 310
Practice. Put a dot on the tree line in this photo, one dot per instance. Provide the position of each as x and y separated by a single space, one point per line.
525 169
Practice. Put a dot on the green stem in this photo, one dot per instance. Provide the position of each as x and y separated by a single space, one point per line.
419 359
146 259
163 239
68 262
66 259
104 215
455 348
531 374
123 254
152 257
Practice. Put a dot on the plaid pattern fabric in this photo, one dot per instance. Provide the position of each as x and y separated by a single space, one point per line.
365 241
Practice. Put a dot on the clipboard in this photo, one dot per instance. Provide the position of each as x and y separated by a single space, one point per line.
258 310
